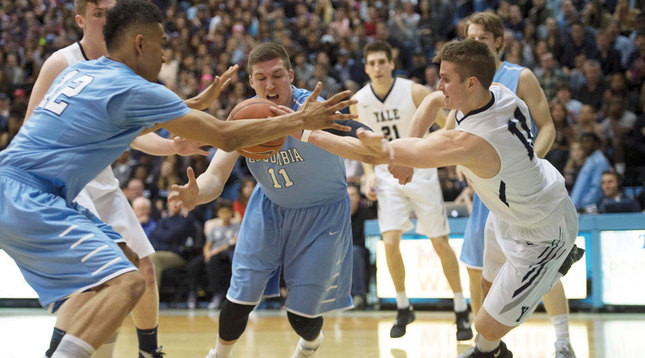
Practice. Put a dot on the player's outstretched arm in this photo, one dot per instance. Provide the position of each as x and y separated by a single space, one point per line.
52 67
229 136
207 187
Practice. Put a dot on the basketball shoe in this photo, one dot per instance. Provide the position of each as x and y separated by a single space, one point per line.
464 332
302 352
404 316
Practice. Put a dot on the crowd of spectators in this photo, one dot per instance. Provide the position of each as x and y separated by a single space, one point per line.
588 55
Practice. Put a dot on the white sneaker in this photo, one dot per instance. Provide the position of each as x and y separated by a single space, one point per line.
211 354
564 350
302 352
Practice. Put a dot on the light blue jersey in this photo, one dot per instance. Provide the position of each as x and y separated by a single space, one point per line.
472 252
300 175
89 116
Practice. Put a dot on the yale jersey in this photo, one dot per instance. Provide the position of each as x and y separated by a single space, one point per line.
90 115
527 189
73 53
391 115
300 174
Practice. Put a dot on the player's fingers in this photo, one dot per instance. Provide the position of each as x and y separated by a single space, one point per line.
192 181
202 152
340 105
343 116
280 110
315 93
339 96
340 127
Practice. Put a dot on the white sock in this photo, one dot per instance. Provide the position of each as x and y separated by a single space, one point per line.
107 349
223 350
561 325
311 344
485 345
73 347
402 300
459 302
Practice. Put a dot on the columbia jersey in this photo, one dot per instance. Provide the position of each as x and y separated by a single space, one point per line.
389 116
105 181
527 189
300 174
90 115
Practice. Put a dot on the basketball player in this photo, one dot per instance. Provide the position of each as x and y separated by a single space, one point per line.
489 29
297 219
387 104
533 224
102 196
93 110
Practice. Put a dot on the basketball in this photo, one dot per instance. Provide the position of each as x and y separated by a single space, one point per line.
253 108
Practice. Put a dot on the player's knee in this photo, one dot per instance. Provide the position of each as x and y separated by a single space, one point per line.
307 328
232 320
133 285
147 269
441 245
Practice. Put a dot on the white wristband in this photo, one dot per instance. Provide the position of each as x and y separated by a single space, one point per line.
305 135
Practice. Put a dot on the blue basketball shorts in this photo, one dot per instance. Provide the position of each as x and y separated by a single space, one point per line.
60 248
472 251
312 245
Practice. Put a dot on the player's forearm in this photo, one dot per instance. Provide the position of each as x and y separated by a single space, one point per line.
544 140
210 187
153 144
346 147
425 115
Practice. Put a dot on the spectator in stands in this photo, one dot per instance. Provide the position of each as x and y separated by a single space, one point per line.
239 205
5 105
573 106
574 163
586 123
618 87
614 200
592 90
134 189
170 239
586 190
549 75
577 44
614 129
636 61
432 77
217 256
14 122
559 153
142 208
609 57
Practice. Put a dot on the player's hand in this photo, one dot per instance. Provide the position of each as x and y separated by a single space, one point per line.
320 115
370 186
131 255
185 196
403 174
375 142
187 147
204 99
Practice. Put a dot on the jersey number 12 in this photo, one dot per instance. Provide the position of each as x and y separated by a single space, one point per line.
68 88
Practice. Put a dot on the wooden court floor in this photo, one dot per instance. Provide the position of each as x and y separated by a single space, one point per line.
363 334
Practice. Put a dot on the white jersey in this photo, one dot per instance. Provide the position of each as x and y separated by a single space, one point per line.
527 190
105 181
390 116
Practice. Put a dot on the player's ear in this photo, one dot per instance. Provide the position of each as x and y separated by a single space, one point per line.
138 43
80 21
291 76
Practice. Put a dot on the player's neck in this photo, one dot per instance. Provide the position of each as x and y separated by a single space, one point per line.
93 50
476 100
382 88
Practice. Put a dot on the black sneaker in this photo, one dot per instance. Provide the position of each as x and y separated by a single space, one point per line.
574 255
404 316
464 332
500 352
157 353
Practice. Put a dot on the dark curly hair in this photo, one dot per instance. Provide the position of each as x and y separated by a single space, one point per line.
127 13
